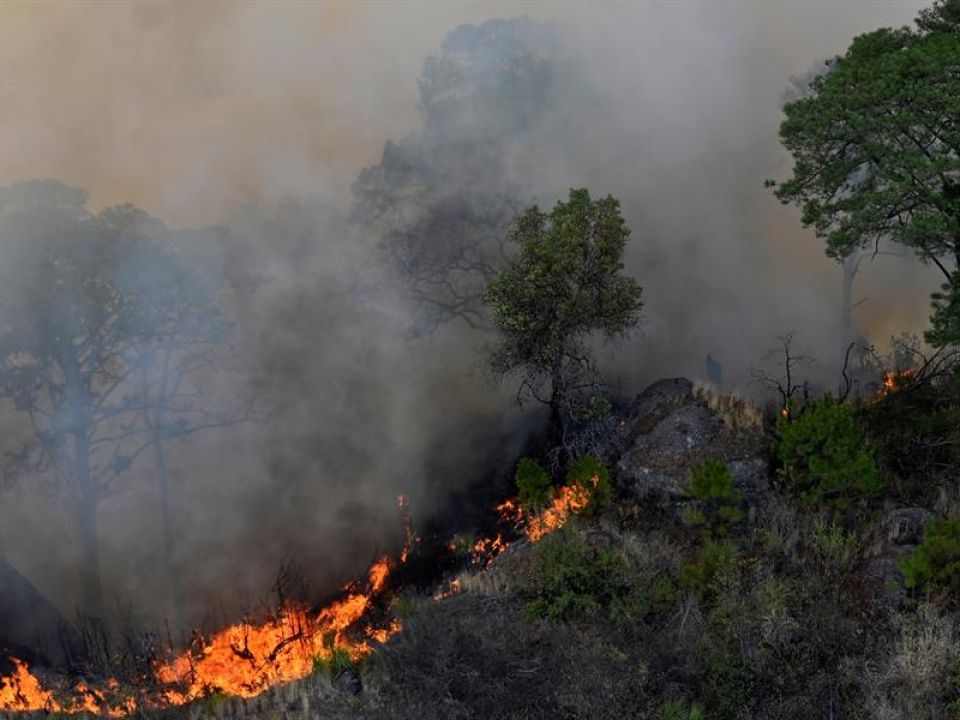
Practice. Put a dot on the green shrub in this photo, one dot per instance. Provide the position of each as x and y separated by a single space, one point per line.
646 597
679 710
591 474
726 688
716 560
935 563
571 578
712 484
533 484
825 454
834 549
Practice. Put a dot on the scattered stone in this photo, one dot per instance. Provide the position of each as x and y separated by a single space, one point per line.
904 526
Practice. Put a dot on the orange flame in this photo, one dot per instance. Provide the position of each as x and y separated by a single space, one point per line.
246 659
23 692
894 380
565 501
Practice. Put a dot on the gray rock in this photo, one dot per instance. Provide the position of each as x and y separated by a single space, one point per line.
751 477
348 682
904 526
673 432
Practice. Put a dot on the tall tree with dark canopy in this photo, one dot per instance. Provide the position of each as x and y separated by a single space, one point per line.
99 325
439 203
566 286
876 147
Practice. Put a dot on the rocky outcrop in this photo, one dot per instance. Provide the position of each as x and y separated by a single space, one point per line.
30 626
668 430
896 534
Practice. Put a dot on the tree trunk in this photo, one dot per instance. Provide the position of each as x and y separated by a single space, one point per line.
89 502
169 538
850 266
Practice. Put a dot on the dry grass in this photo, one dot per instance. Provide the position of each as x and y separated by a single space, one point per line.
737 413
920 669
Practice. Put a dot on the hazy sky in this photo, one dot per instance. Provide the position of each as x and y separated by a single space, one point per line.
190 108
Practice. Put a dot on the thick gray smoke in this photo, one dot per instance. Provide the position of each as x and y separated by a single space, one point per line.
219 114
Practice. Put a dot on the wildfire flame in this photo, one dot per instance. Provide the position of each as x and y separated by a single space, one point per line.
23 692
894 380
248 658
565 501
243 660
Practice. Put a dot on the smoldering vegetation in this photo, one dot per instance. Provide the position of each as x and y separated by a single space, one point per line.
341 228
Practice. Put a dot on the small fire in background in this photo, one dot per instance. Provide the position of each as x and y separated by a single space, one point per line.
894 380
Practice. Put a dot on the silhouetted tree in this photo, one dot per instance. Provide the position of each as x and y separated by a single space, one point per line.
440 203
101 324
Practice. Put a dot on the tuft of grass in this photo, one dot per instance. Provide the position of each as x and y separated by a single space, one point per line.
705 575
334 664
736 412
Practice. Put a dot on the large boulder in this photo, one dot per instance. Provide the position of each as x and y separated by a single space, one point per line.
30 626
668 430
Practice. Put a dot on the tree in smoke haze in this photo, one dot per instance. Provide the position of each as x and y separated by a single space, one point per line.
99 326
440 203
876 151
565 286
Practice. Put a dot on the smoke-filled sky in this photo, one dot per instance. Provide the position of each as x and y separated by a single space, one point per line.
196 111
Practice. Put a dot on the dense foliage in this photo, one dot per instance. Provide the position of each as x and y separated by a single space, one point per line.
533 484
565 286
825 453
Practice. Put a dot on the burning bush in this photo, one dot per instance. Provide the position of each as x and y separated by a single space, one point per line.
825 453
